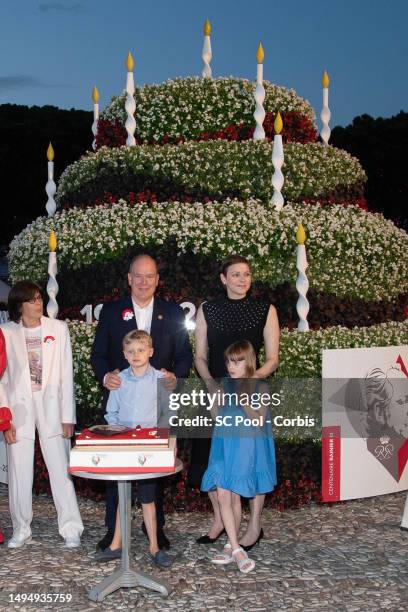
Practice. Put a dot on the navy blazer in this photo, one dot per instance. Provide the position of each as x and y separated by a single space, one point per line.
171 344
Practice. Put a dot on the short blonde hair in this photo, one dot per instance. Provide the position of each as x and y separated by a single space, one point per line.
137 335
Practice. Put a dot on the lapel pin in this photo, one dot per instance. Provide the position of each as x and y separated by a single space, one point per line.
160 317
128 314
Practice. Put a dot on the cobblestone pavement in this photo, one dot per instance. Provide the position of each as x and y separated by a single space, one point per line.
350 556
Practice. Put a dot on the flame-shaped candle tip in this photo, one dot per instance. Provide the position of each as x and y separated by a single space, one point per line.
95 95
301 235
260 54
130 62
325 79
50 153
52 242
278 123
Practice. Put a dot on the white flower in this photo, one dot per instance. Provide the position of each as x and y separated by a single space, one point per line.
350 252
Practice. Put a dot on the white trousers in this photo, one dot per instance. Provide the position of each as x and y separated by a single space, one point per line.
55 452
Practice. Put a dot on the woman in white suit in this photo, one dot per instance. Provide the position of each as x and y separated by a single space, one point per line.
38 387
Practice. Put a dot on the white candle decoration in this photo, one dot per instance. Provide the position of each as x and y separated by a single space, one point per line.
207 52
325 114
302 283
52 285
95 99
277 162
130 104
50 187
259 95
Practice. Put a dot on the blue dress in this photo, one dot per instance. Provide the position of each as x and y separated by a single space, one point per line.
242 458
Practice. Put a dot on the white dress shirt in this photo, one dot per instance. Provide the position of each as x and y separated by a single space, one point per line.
144 315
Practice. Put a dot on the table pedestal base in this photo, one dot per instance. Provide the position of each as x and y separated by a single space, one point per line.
127 578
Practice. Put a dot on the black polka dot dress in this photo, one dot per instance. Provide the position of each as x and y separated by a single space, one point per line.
229 321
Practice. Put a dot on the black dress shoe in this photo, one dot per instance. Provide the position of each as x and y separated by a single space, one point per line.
205 539
108 555
250 546
106 540
161 559
162 539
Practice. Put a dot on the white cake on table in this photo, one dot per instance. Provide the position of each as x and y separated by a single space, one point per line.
148 451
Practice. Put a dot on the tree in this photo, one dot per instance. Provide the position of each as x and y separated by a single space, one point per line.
24 137
381 146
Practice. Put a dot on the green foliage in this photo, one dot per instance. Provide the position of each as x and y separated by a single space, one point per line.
300 355
187 107
381 146
24 137
214 170
350 252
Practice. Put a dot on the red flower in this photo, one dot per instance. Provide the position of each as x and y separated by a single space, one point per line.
128 314
296 128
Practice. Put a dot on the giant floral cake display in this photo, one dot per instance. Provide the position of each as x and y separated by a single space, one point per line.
197 187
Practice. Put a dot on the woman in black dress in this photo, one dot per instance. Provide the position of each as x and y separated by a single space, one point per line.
219 324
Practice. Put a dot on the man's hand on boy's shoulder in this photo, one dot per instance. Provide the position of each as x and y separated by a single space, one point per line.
112 380
170 380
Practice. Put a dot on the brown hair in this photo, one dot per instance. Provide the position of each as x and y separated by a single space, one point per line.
242 350
137 335
21 292
231 260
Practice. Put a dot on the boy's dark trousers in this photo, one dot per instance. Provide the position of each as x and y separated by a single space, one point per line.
112 504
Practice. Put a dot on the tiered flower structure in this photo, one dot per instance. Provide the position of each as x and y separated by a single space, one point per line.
195 188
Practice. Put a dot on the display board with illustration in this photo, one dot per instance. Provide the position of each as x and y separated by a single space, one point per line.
365 422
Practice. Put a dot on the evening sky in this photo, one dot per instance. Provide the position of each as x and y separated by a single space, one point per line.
54 51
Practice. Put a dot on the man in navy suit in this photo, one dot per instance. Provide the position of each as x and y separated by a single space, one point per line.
165 322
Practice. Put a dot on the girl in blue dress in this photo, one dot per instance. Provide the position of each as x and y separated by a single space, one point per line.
242 456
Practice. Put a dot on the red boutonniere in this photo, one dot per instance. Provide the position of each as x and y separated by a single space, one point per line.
128 314
49 339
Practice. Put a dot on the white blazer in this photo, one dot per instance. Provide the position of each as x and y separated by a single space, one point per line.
57 392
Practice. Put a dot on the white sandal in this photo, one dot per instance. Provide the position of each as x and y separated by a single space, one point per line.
246 564
223 558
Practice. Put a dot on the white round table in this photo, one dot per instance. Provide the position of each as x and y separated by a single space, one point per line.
125 576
